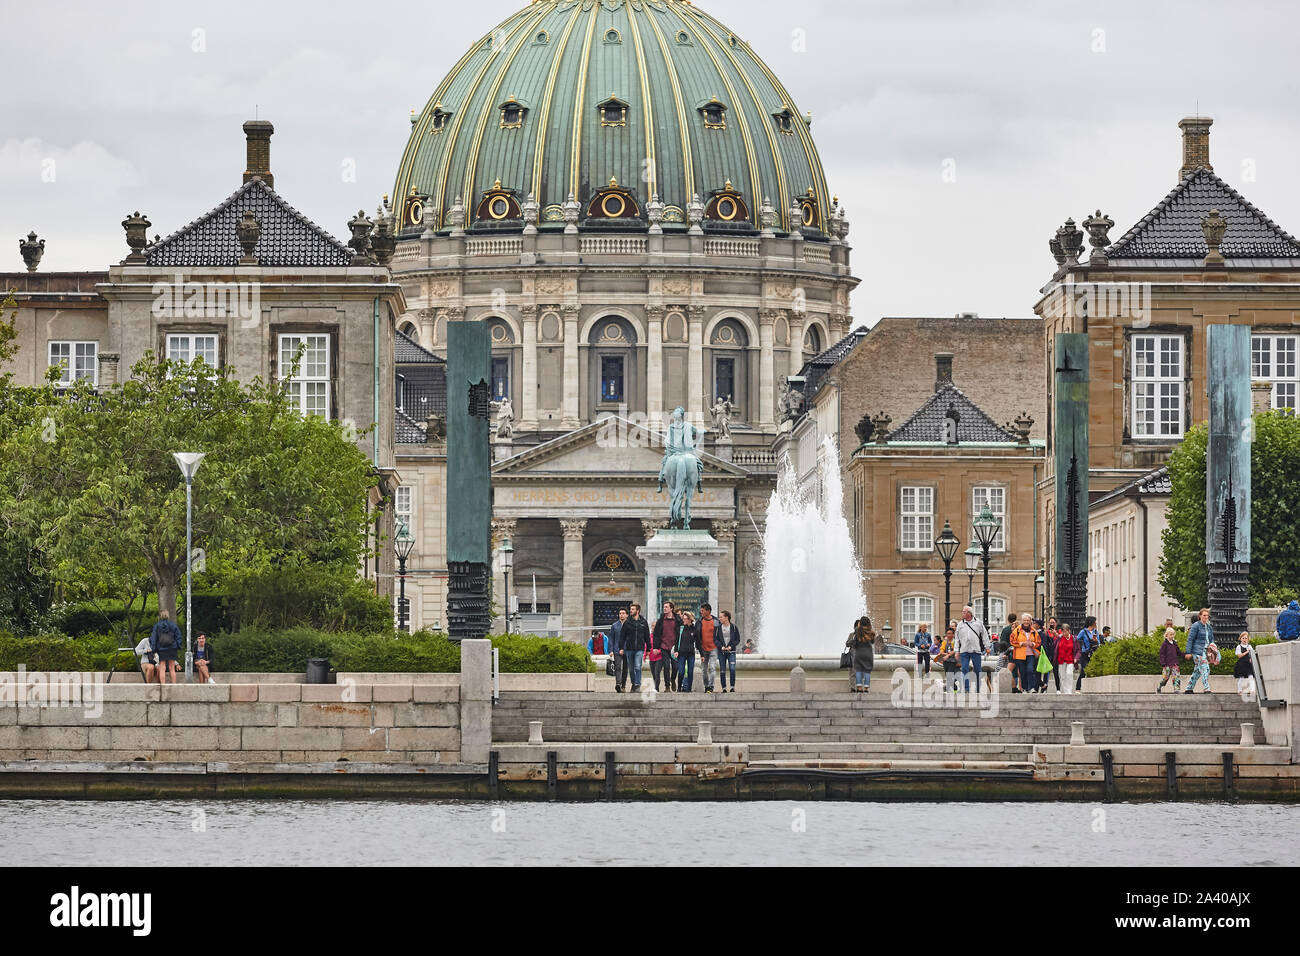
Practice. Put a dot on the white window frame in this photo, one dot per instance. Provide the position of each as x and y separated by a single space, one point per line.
309 386
181 347
912 614
1000 539
81 363
1157 385
916 522
997 610
1283 373
405 510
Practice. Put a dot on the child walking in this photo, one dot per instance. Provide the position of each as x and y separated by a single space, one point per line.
1244 670
1169 657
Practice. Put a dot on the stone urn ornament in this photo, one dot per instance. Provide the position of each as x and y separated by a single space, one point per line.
137 236
32 249
1071 240
531 208
695 215
1057 253
654 211
1098 226
1214 226
248 231
384 241
360 241
767 217
571 210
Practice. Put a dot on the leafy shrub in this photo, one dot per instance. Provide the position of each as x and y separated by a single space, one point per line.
328 599
59 652
278 652
1140 654
530 654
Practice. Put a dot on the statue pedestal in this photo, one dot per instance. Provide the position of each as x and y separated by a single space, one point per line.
724 448
502 448
682 567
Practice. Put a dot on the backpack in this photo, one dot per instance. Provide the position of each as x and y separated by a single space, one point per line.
1212 655
165 640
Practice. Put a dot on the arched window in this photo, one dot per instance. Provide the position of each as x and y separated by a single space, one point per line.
611 369
916 610
812 343
612 562
728 343
503 341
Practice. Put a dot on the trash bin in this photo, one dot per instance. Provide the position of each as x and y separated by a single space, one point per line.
318 670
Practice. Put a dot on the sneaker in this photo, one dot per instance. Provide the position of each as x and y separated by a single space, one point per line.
1189 690
1159 688
211 681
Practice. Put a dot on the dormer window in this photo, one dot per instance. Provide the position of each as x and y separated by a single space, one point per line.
714 113
439 120
784 121
613 112
512 114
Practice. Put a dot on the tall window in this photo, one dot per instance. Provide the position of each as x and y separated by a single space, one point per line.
186 348
724 378
1157 386
79 361
993 497
1273 359
916 611
309 390
997 611
611 379
916 518
500 378
403 506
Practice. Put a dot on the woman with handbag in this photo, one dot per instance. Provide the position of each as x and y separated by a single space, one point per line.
861 644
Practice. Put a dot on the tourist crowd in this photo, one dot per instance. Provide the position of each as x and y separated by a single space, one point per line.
671 646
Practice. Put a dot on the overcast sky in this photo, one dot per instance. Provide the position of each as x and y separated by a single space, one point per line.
1040 110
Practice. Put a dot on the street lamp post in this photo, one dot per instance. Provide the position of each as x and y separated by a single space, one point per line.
986 531
189 463
507 565
972 555
947 544
1039 582
403 544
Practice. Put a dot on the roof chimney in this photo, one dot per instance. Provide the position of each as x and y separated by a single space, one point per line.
258 162
1196 144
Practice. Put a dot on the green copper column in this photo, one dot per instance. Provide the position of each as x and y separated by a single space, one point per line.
1227 477
1070 447
469 480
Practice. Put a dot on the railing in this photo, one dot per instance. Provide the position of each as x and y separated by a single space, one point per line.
744 248
613 246
812 252
754 459
495 246
406 251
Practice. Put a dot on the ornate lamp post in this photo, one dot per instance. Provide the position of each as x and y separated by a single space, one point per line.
1040 605
403 545
947 544
986 530
507 565
189 463
972 562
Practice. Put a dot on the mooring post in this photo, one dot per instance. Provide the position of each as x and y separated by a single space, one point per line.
494 772
609 775
1171 775
1229 785
552 775
1108 774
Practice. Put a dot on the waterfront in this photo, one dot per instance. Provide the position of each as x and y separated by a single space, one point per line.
393 833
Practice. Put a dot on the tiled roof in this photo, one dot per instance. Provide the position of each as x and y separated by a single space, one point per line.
815 369
288 237
1172 230
408 431
1152 483
973 425
411 352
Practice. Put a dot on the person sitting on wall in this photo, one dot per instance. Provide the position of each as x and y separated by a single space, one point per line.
203 659
148 660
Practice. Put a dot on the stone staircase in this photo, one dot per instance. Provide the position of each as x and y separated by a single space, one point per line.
779 726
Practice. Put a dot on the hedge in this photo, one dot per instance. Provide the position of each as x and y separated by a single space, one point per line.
1140 654
58 652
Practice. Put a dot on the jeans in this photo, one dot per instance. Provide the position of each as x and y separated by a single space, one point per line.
656 668
922 663
709 664
862 678
1028 676
686 671
727 662
634 661
1202 670
971 659
1082 666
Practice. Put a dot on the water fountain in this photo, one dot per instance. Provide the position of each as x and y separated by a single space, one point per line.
811 591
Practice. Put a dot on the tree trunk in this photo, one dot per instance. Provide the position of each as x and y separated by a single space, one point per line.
165 580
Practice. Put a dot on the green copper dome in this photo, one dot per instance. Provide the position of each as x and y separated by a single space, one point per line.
610 98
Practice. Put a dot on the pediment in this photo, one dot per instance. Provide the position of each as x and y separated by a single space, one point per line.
612 445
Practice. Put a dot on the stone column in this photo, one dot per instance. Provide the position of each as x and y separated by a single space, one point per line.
724 532
528 370
1070 593
571 374
1228 478
695 363
654 390
108 365
427 325
573 591
766 366
502 528
796 342
650 526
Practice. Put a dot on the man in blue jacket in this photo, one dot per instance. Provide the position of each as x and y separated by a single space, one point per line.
1089 640
615 645
1199 636
634 641
1288 622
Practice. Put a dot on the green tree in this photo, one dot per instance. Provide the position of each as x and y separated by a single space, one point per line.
99 492
1274 515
